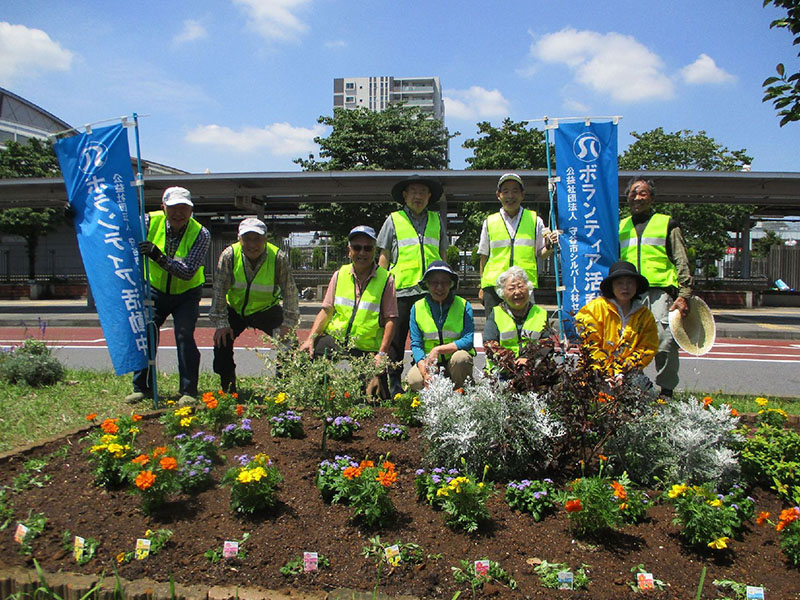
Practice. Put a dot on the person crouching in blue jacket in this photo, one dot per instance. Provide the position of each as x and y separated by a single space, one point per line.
442 329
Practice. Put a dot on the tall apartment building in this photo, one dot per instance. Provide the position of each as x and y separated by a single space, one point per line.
376 93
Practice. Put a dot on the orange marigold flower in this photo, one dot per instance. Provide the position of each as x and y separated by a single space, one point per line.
91 416
573 506
619 490
386 478
235 395
109 426
212 404
136 418
734 412
351 473
347 394
602 457
365 464
142 459
207 396
707 400
239 410
145 480
780 526
159 451
168 463
762 517
460 390
389 466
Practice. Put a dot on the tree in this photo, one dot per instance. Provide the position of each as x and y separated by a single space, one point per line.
762 245
705 226
784 90
34 159
397 138
510 147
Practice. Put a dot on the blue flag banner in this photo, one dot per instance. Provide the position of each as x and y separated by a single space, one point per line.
588 209
97 174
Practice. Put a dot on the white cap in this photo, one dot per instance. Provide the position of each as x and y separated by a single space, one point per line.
252 225
176 195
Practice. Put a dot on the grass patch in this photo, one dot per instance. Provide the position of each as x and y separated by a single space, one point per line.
746 403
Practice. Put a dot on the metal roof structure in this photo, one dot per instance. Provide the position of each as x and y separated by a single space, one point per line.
774 194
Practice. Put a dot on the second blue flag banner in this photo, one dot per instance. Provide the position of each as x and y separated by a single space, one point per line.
588 208
97 173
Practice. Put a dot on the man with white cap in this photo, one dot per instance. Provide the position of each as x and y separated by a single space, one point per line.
513 236
253 287
176 247
359 308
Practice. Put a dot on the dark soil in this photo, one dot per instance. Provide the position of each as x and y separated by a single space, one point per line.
303 522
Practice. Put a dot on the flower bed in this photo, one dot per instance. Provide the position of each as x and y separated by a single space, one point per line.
63 489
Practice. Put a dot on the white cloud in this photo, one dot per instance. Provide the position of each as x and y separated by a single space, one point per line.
25 51
336 44
611 63
576 106
192 30
476 102
705 70
274 19
279 139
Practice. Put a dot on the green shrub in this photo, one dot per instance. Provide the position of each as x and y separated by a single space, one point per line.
31 363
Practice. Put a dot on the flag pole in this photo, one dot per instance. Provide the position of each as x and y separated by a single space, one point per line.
152 334
551 181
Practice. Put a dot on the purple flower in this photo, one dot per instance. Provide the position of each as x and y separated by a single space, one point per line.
198 434
548 480
243 459
245 423
192 473
206 470
209 439
229 428
453 472
735 506
436 479
420 472
180 436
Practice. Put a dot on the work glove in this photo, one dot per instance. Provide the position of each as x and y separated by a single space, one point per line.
151 250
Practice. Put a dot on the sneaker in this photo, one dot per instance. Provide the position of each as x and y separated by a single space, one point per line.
186 400
135 397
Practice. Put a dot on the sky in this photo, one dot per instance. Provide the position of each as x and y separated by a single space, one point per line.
238 85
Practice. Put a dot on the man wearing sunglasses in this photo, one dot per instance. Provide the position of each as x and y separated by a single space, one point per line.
359 308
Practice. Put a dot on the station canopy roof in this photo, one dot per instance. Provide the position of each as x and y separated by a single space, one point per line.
774 194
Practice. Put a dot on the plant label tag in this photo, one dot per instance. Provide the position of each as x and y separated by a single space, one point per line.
566 580
310 562
142 548
230 549
20 533
392 555
481 567
77 548
645 581
755 592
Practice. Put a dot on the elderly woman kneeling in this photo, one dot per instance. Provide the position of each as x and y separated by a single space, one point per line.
517 319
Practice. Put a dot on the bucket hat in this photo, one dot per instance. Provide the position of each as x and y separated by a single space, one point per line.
441 267
434 186
620 269
695 332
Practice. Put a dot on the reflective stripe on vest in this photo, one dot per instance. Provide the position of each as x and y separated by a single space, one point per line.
452 329
259 294
649 253
159 278
414 252
361 323
506 251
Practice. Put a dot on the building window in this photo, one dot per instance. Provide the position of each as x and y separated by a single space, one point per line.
350 86
350 99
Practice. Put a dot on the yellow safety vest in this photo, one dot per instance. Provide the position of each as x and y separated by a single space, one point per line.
506 251
360 323
159 278
535 321
414 252
248 298
452 329
649 253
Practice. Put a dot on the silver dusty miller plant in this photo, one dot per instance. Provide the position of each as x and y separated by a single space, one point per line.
680 442
485 423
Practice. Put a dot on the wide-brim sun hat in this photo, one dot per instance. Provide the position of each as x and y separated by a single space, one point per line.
623 268
695 332
434 186
440 266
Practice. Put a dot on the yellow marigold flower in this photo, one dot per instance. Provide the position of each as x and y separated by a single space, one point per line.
415 402
719 543
677 490
280 398
107 439
244 476
623 506
184 411
148 533
134 430
715 502
117 450
98 447
661 401
120 558
398 396
442 491
761 401
186 421
258 473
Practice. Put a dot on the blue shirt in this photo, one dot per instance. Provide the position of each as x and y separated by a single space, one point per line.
439 312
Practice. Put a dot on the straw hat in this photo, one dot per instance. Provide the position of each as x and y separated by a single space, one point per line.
694 333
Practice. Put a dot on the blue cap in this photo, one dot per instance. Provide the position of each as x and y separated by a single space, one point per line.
362 230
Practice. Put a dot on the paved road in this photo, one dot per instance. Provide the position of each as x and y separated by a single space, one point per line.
754 366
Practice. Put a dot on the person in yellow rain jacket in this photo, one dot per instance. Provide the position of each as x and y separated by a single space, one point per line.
620 331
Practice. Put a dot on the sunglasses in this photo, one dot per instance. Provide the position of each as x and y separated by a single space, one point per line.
359 248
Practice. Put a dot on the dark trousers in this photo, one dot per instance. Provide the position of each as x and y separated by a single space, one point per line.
490 300
397 350
327 344
264 320
184 308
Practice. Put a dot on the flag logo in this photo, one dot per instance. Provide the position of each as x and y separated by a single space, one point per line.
587 147
93 157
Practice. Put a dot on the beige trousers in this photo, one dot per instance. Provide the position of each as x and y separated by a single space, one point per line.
458 368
